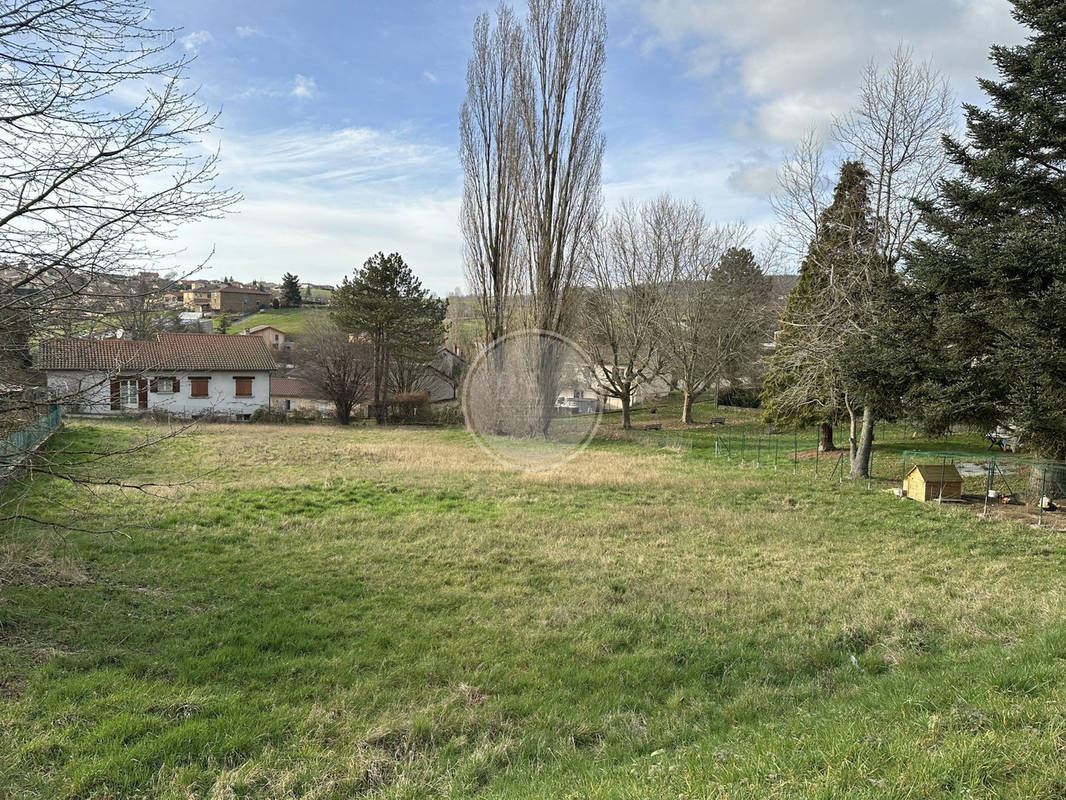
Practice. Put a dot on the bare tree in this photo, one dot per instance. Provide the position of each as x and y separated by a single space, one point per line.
696 329
91 186
896 130
338 364
493 158
623 304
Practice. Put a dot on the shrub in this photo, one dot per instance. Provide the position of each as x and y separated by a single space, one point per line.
409 407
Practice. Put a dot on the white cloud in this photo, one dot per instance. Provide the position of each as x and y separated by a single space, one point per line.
429 77
247 31
320 202
304 87
195 40
798 62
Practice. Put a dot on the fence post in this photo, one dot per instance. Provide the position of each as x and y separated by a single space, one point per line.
795 451
1043 491
817 455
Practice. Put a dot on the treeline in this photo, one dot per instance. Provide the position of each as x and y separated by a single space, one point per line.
933 285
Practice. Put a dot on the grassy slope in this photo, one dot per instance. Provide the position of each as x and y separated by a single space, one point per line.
290 320
335 612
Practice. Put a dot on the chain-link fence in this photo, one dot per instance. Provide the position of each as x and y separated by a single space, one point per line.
19 444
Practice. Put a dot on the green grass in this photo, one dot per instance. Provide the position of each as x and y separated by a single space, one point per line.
291 320
331 613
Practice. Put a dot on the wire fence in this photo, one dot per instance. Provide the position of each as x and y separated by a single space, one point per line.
20 444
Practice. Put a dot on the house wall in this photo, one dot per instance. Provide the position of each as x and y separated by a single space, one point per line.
238 301
267 335
90 393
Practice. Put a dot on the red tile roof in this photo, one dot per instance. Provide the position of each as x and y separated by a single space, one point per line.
294 387
169 351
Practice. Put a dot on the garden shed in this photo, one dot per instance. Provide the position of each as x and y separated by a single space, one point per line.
929 482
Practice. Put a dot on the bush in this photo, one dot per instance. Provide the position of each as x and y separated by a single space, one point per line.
408 408
448 414
265 414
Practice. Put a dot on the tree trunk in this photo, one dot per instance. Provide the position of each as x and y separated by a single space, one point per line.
686 408
860 462
825 443
626 422
344 414
717 391
853 442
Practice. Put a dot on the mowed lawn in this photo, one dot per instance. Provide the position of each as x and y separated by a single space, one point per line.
335 613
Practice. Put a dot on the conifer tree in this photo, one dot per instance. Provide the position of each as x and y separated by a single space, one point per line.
985 290
385 303
804 384
290 291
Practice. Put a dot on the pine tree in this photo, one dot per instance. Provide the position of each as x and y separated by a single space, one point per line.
386 303
222 324
804 384
987 286
290 291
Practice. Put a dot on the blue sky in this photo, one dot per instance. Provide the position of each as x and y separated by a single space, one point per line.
339 118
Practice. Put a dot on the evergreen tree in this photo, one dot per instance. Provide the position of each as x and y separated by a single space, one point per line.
984 300
222 324
386 303
804 384
290 291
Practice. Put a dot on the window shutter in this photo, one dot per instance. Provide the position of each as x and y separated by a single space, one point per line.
116 405
142 393
177 386
152 385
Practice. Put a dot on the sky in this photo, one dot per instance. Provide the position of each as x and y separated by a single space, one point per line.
339 118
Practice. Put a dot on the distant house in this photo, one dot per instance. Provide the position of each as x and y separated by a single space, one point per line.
275 338
297 396
583 393
233 299
186 374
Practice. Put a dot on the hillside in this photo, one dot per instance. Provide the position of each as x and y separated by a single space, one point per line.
291 320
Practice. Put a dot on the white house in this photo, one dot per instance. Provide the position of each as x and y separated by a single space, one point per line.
186 374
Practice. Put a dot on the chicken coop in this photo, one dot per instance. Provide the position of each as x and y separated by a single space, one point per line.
930 482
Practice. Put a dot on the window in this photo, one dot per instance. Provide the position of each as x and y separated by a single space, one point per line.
275 338
243 387
198 387
275 344
288 405
164 386
128 393
578 394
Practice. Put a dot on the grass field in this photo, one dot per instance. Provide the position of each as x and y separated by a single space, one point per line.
291 320
337 613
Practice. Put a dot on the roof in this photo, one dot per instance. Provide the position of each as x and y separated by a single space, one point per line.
293 387
169 351
258 328
931 473
239 290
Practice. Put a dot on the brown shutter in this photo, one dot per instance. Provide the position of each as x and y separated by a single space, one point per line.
116 405
177 386
142 393
152 387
